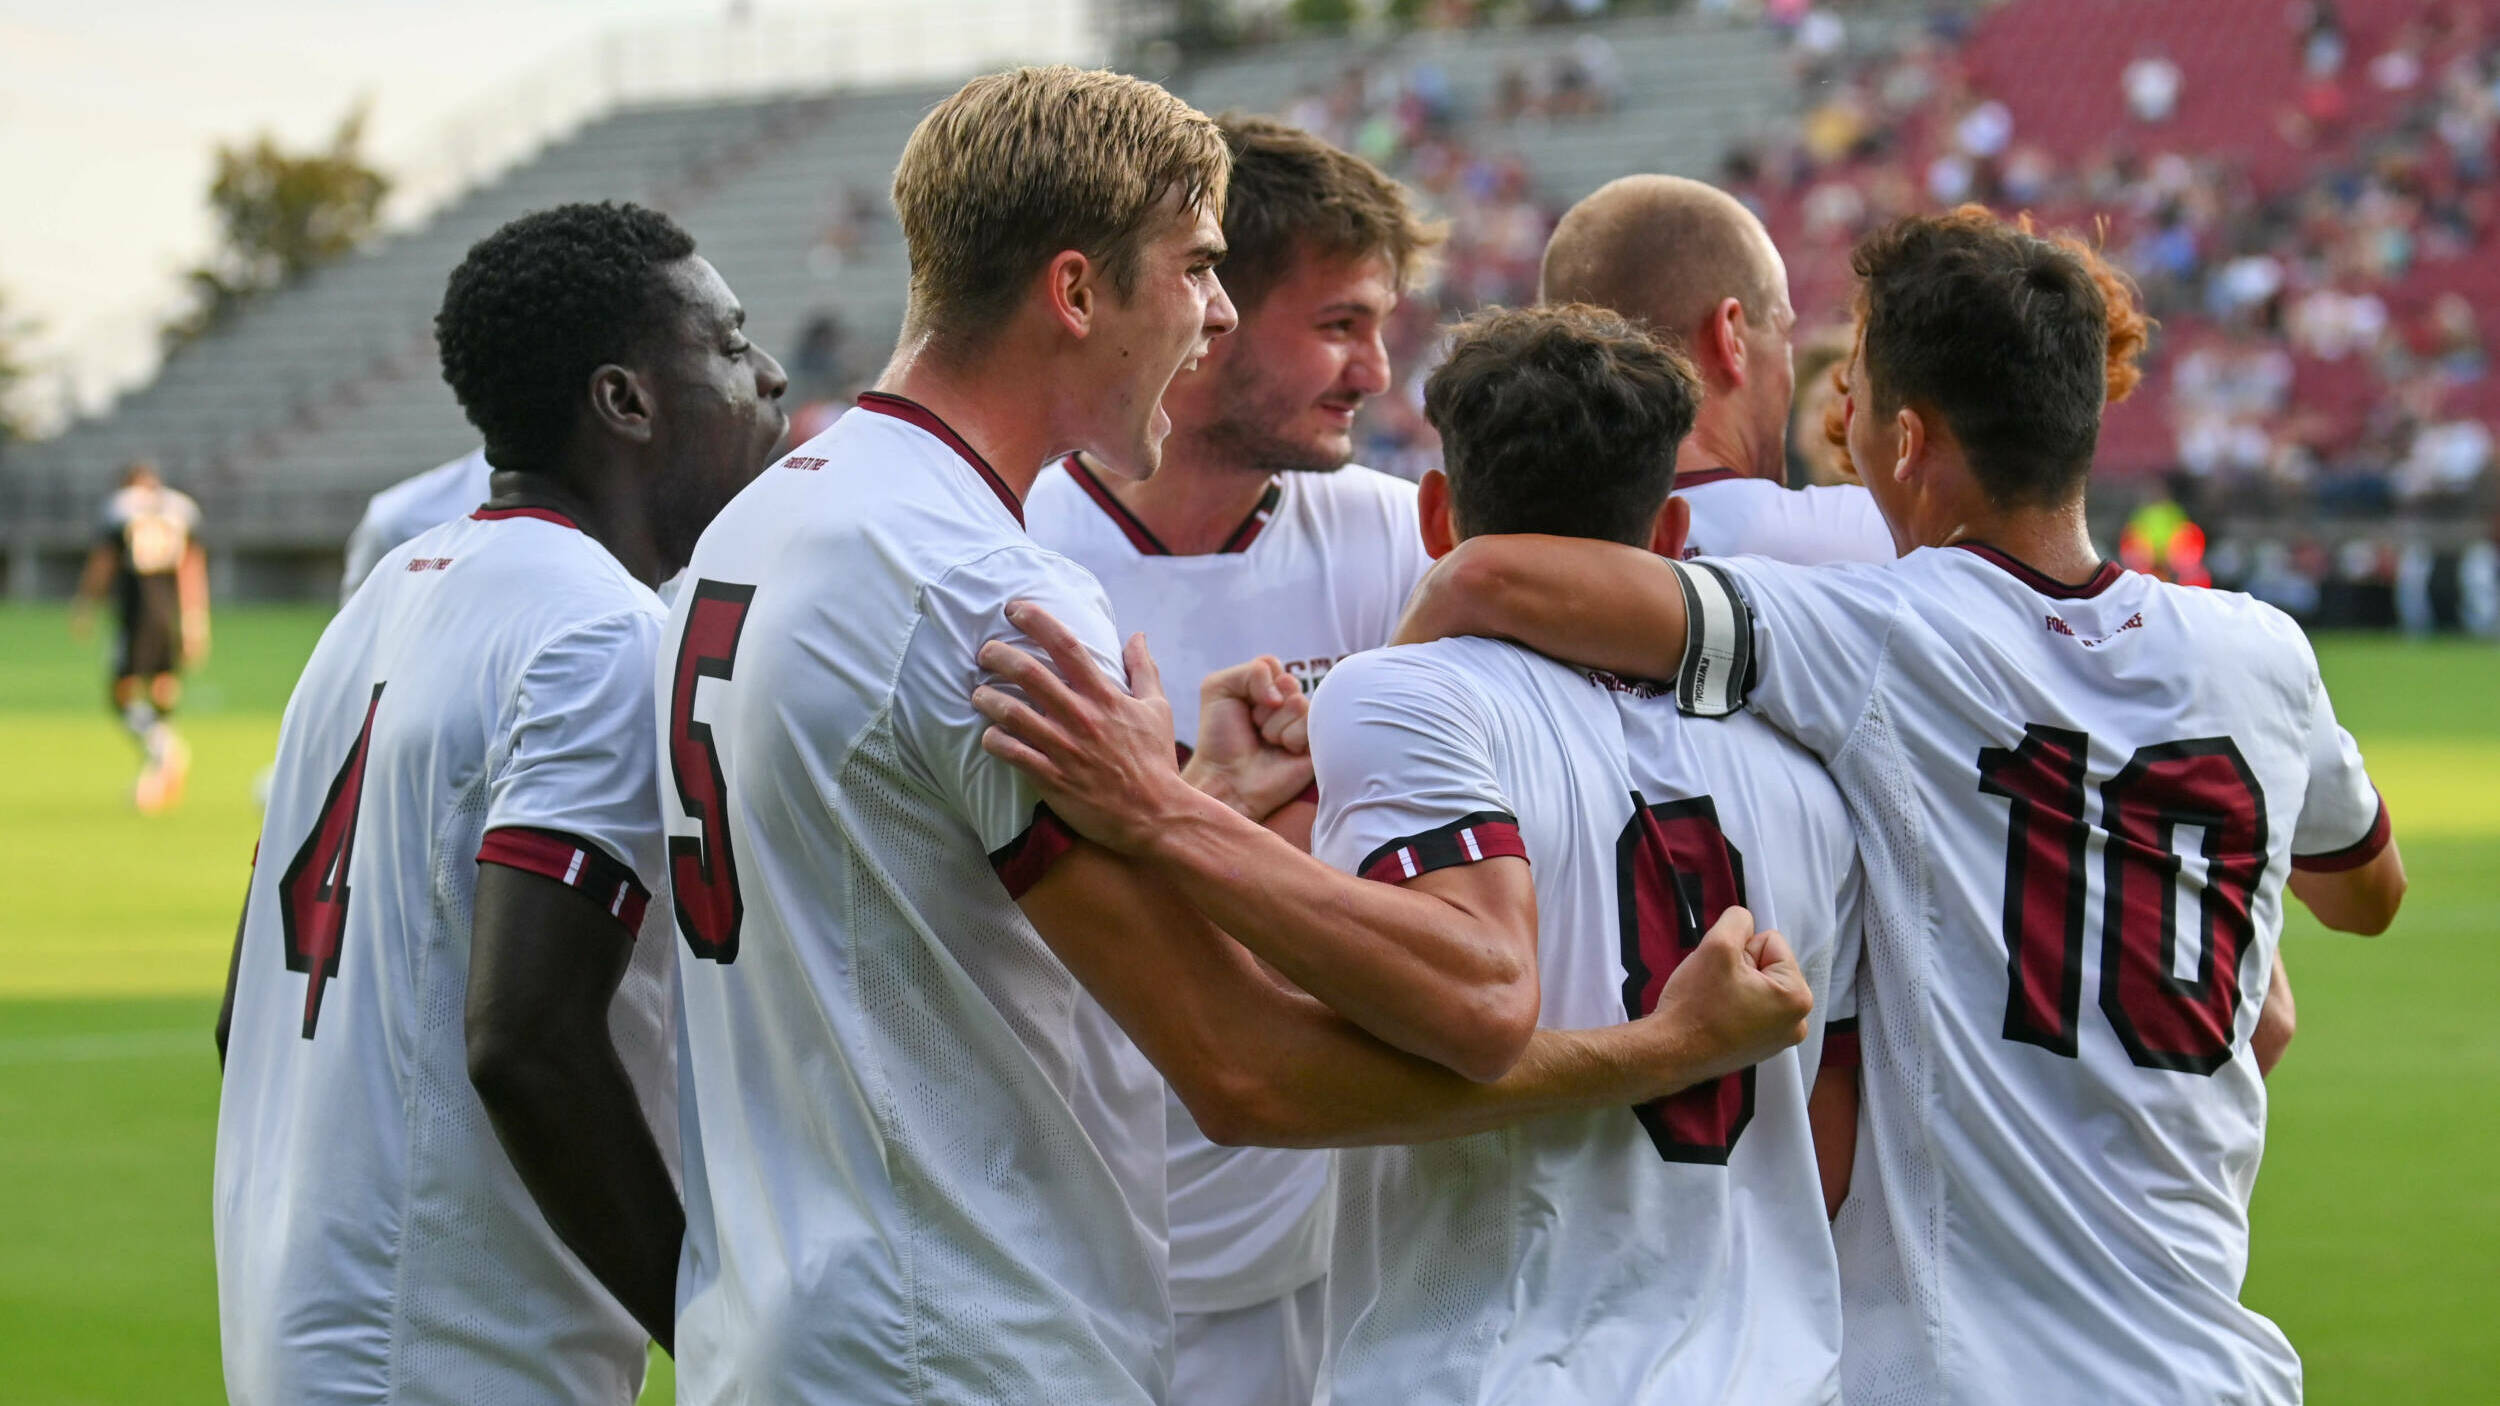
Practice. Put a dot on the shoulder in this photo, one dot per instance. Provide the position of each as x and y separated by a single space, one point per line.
1356 489
1477 674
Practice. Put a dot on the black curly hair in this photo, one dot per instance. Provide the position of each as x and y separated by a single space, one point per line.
538 305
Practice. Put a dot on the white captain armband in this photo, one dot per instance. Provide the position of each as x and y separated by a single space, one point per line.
1717 671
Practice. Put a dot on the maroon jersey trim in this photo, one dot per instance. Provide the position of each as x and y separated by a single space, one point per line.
1470 839
573 862
1143 538
2041 581
912 412
542 514
2354 855
1021 862
1698 477
1840 1044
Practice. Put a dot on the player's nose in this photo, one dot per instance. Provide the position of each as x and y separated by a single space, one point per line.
770 380
1367 370
1220 315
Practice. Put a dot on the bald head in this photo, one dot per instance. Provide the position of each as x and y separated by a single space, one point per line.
1664 250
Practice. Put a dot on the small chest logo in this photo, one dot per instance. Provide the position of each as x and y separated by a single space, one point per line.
2060 627
429 563
800 461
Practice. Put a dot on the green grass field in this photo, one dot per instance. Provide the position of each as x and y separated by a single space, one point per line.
2375 1217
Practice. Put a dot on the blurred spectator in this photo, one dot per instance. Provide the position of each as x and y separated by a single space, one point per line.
2152 85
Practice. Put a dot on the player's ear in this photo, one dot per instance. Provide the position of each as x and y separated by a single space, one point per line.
1910 443
622 402
1727 339
1675 523
1070 288
1432 505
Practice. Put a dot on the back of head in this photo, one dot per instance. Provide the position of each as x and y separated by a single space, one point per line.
1998 331
1663 250
1562 420
543 302
1293 195
141 473
1014 168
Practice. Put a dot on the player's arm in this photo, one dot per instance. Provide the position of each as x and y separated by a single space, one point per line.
1832 1115
93 581
545 961
2361 900
1257 1064
2351 884
1446 971
2276 1020
191 589
1602 604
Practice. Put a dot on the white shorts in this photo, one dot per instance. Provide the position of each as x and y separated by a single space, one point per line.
1263 1355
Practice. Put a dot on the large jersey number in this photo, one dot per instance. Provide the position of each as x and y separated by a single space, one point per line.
1675 874
313 893
2164 1020
702 868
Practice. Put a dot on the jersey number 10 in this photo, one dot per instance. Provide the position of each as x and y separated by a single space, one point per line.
2164 1021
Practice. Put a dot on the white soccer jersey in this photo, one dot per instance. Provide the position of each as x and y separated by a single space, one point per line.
409 507
1738 516
1319 570
483 702
2078 806
152 527
1674 1253
905 1181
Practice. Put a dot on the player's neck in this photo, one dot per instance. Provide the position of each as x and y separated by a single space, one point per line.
990 406
1191 506
614 519
1715 443
2056 542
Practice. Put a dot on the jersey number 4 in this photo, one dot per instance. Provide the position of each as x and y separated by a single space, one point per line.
1675 873
312 894
702 868
2165 1021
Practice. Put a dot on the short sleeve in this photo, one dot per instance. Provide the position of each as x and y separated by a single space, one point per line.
1848 975
2343 823
960 612
1802 646
1405 770
576 798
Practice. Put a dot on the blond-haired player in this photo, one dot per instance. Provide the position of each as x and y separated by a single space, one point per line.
907 1176
1256 536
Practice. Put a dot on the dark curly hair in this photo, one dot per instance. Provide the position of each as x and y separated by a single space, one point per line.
1561 419
540 304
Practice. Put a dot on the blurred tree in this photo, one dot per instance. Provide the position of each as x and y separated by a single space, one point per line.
280 215
16 374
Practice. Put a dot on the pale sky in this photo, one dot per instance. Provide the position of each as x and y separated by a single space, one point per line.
109 110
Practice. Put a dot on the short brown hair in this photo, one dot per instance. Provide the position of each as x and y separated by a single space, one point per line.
1294 194
1017 167
1560 419
2002 333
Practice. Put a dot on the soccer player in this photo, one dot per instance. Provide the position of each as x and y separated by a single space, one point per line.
149 556
1257 537
1693 263
2066 780
409 507
1675 1252
445 1142
909 1174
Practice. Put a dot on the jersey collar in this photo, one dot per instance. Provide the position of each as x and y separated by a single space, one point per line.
912 412
1698 477
1143 538
542 514
2041 581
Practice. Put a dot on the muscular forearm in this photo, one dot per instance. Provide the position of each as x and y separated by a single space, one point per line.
1332 1086
566 1114
1602 604
1414 969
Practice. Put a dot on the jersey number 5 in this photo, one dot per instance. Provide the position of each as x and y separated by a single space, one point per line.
312 894
2165 1021
1675 873
702 868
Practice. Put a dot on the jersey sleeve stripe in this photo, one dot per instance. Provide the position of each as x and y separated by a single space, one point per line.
1021 862
2354 855
1718 642
573 862
1840 1044
1470 839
